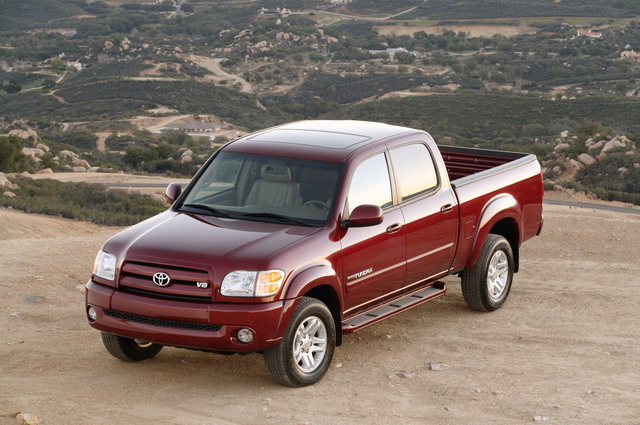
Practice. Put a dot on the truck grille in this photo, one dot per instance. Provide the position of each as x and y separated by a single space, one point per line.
137 278
161 322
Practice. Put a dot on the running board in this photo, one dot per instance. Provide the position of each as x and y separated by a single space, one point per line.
405 302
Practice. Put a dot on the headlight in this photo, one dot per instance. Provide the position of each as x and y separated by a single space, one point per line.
105 266
243 283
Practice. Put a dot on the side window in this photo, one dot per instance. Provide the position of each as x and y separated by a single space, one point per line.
370 184
415 170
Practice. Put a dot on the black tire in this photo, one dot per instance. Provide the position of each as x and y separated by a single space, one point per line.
479 292
129 350
281 360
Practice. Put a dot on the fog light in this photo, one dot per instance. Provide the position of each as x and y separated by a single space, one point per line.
92 313
245 335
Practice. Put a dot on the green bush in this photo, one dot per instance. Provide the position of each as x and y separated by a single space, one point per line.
82 201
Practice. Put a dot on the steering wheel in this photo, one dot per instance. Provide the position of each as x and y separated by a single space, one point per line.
317 203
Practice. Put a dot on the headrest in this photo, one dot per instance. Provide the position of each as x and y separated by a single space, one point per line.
275 173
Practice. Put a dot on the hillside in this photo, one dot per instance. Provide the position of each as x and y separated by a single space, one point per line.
132 86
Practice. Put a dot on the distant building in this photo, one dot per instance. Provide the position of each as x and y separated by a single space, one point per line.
75 65
392 51
590 34
277 11
629 54
194 126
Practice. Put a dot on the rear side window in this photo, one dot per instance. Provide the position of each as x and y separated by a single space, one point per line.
370 184
415 170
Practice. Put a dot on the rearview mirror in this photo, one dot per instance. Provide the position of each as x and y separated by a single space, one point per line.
365 215
172 192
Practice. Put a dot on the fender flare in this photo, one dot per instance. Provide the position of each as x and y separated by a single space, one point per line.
305 281
501 207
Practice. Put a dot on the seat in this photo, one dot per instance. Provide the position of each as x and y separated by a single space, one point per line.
275 188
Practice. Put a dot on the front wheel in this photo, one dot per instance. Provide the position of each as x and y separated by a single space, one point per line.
129 350
485 287
304 354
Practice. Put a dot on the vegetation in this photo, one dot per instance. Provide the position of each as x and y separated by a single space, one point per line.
11 157
82 201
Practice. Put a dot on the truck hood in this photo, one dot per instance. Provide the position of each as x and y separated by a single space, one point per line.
203 242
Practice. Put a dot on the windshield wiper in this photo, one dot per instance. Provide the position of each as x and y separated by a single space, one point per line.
214 211
278 217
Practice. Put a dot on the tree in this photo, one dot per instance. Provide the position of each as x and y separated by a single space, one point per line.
11 157
12 87
404 57
186 8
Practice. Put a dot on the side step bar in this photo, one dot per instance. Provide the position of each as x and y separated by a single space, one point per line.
405 302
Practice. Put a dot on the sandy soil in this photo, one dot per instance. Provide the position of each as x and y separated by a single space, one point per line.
218 74
564 347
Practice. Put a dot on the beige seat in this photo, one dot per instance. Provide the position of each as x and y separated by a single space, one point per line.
275 188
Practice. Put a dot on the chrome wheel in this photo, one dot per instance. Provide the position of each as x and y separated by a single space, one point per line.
497 276
309 344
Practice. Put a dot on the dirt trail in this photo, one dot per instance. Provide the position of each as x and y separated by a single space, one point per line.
213 65
564 347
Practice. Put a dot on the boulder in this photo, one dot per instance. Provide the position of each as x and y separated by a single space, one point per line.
94 169
43 147
27 419
561 146
186 160
188 152
3 180
575 164
597 145
564 134
9 194
78 169
80 163
25 134
68 154
586 159
616 142
45 171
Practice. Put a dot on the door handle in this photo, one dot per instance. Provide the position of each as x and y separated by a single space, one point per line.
394 228
446 208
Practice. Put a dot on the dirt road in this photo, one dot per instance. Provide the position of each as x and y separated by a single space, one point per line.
564 348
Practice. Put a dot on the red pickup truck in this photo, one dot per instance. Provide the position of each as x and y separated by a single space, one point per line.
291 237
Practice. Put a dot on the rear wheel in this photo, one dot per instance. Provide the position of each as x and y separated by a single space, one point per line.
304 354
486 286
129 350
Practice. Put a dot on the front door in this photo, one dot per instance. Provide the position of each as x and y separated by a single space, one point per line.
373 257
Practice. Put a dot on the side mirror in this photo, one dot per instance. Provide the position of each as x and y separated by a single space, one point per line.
365 215
172 192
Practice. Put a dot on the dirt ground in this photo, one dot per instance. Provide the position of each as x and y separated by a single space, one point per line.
473 30
564 348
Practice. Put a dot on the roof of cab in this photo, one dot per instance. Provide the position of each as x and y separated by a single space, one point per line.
331 140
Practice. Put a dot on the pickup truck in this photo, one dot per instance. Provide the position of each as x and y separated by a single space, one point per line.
289 238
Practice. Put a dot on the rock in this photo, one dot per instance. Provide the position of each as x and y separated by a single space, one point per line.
586 159
575 164
35 299
636 165
43 147
556 169
9 194
403 374
541 418
4 181
27 419
597 145
45 171
78 169
188 152
260 45
186 160
25 134
15 187
332 39
558 188
616 142
564 134
437 366
94 169
561 146
81 163
623 170
68 154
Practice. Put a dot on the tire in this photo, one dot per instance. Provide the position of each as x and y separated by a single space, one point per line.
305 352
486 286
129 350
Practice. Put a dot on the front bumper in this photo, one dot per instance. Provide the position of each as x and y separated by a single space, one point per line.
206 326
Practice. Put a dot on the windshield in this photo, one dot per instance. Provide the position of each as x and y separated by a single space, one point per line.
265 188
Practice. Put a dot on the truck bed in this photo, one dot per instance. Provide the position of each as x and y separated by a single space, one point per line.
464 163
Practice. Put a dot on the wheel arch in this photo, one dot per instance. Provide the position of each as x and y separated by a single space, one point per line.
502 216
319 282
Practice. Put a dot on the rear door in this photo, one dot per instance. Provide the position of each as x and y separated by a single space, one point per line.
373 257
429 210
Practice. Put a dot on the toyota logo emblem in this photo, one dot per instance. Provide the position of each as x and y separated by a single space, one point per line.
161 279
